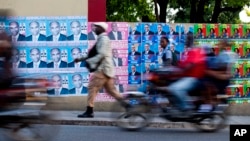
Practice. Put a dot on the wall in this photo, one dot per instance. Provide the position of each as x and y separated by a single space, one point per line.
47 7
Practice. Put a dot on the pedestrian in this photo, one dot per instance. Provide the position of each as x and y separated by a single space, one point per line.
103 76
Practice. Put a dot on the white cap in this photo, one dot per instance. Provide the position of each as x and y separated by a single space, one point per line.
102 24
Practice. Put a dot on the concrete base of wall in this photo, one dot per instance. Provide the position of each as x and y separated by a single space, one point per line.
78 103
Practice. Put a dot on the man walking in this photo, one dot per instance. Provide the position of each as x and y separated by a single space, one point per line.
104 74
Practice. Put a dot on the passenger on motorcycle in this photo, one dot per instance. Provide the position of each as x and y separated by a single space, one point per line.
217 74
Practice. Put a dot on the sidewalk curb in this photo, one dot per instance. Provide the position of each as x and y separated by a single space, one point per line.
89 122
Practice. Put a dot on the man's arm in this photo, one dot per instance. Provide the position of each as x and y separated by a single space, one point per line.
102 47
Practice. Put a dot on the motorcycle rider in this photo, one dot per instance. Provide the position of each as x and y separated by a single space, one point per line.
192 66
217 74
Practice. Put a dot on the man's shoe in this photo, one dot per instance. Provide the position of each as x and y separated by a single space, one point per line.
86 115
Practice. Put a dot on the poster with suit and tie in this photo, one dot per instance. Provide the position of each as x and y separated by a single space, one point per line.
77 29
56 30
37 58
60 84
77 50
149 51
78 83
134 74
148 32
16 28
135 33
36 29
19 58
117 31
57 57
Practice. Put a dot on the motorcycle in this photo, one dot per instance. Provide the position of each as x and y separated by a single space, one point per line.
17 121
156 103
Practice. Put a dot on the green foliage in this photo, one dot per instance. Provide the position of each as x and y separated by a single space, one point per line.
129 10
134 10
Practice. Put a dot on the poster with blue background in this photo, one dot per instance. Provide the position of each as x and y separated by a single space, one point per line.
36 29
77 28
56 30
78 83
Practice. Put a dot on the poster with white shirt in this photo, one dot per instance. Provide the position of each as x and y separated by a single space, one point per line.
57 57
36 29
19 59
77 50
78 83
148 32
37 58
77 29
60 84
135 33
91 31
56 30
117 31
149 51
16 28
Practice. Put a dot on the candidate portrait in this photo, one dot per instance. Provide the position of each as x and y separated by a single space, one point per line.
57 83
55 29
92 35
79 88
117 61
75 27
118 86
36 62
35 36
115 34
16 62
56 55
15 34
76 53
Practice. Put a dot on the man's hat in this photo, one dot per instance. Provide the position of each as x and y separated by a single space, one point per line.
102 24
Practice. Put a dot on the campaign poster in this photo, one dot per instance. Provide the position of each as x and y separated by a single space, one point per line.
117 31
58 56
246 31
224 31
78 83
238 69
56 30
135 33
247 68
60 84
16 29
36 29
159 54
185 29
199 31
76 28
148 32
236 31
3 25
212 31
37 58
134 74
149 51
247 89
19 59
121 83
247 50
134 55
91 31
238 89
146 69
237 47
162 30
77 50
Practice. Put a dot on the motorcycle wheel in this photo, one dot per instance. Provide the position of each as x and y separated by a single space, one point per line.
212 123
132 121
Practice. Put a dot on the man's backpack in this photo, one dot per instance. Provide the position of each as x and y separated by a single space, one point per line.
92 52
